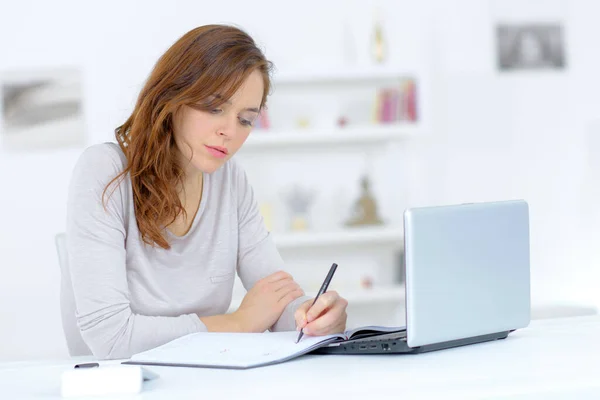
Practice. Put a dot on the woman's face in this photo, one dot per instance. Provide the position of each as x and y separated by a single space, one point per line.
206 139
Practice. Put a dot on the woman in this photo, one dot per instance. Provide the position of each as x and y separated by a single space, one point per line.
159 224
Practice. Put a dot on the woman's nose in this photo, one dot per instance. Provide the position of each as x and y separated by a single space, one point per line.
227 128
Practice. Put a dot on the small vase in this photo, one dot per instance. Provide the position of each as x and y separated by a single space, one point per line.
378 43
298 222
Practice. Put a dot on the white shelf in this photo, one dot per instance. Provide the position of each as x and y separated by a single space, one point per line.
374 295
382 294
347 237
336 136
341 74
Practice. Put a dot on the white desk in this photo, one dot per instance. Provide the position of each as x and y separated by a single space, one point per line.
551 359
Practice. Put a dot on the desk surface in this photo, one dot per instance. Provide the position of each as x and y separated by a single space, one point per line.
551 359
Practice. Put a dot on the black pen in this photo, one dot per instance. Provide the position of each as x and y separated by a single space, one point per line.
323 289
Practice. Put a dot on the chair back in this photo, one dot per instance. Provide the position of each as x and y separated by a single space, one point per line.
75 343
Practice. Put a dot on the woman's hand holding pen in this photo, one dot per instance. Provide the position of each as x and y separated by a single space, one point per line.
265 301
326 316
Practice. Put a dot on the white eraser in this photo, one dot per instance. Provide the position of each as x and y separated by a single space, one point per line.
103 380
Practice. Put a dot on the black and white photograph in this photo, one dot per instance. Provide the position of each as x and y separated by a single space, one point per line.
530 47
41 109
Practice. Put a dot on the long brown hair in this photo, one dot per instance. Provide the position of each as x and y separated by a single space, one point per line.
208 60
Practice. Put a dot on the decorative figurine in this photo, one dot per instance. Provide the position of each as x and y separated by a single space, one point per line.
366 282
299 201
303 122
365 208
266 211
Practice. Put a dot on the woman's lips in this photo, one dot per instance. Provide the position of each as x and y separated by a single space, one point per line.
217 151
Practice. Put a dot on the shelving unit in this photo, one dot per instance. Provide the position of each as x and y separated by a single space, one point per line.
356 135
316 100
341 74
376 294
347 237
355 297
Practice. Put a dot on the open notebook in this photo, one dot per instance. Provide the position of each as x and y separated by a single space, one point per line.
242 350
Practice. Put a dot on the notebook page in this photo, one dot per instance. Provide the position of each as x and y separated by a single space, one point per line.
373 329
233 350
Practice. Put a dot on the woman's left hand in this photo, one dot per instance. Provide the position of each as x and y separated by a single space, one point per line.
326 316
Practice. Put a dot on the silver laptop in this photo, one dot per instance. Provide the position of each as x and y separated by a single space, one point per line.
467 278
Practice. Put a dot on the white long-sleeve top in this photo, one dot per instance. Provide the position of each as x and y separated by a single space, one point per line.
130 296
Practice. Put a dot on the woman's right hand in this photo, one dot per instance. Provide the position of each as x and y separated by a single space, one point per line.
265 301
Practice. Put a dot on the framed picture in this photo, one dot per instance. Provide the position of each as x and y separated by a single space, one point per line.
530 46
41 109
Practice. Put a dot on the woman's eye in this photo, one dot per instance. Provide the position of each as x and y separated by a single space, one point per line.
245 122
215 111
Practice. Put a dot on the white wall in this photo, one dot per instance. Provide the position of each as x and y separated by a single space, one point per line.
486 127
526 135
